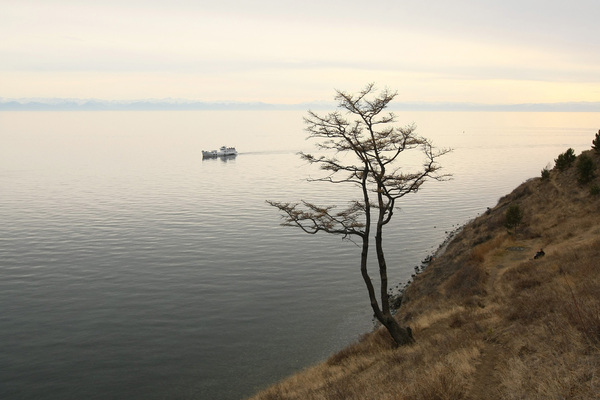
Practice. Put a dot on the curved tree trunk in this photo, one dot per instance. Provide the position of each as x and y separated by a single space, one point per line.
401 335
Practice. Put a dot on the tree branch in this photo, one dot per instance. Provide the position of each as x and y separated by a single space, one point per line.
376 148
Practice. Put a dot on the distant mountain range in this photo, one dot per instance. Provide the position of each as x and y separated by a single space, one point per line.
57 104
61 104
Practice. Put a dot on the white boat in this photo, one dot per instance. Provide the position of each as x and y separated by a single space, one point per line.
224 151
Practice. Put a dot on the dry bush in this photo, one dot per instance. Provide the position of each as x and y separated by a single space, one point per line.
478 253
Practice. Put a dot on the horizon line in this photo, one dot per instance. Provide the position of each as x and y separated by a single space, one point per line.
168 104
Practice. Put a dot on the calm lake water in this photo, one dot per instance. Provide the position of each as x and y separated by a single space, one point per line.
131 268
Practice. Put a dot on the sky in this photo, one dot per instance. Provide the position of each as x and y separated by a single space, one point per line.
288 52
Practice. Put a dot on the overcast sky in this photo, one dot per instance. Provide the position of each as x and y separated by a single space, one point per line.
280 51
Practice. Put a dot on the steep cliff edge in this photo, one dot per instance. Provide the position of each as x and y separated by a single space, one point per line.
490 320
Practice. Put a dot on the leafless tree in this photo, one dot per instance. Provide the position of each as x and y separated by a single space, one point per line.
375 147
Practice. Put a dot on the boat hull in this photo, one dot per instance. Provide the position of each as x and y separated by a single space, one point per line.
222 152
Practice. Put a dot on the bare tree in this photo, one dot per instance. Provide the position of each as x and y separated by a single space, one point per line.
376 148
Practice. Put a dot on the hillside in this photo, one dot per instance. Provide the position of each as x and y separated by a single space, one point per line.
490 321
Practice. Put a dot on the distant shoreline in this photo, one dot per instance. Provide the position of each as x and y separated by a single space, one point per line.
59 104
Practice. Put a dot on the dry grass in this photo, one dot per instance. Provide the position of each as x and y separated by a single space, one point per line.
487 249
490 322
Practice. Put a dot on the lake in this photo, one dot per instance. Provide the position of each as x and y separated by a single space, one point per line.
132 268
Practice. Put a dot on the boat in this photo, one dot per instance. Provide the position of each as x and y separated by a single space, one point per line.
224 151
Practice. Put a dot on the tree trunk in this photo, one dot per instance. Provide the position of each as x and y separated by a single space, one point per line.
401 335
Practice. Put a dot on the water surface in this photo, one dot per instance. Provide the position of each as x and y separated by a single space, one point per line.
132 268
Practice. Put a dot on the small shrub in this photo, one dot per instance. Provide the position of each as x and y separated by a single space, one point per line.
596 143
565 160
514 216
595 190
545 174
586 168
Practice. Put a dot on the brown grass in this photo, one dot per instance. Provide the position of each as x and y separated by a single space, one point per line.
490 322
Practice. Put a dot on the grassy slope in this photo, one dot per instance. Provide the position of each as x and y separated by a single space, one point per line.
490 321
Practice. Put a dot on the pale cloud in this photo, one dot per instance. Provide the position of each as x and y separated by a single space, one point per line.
279 51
